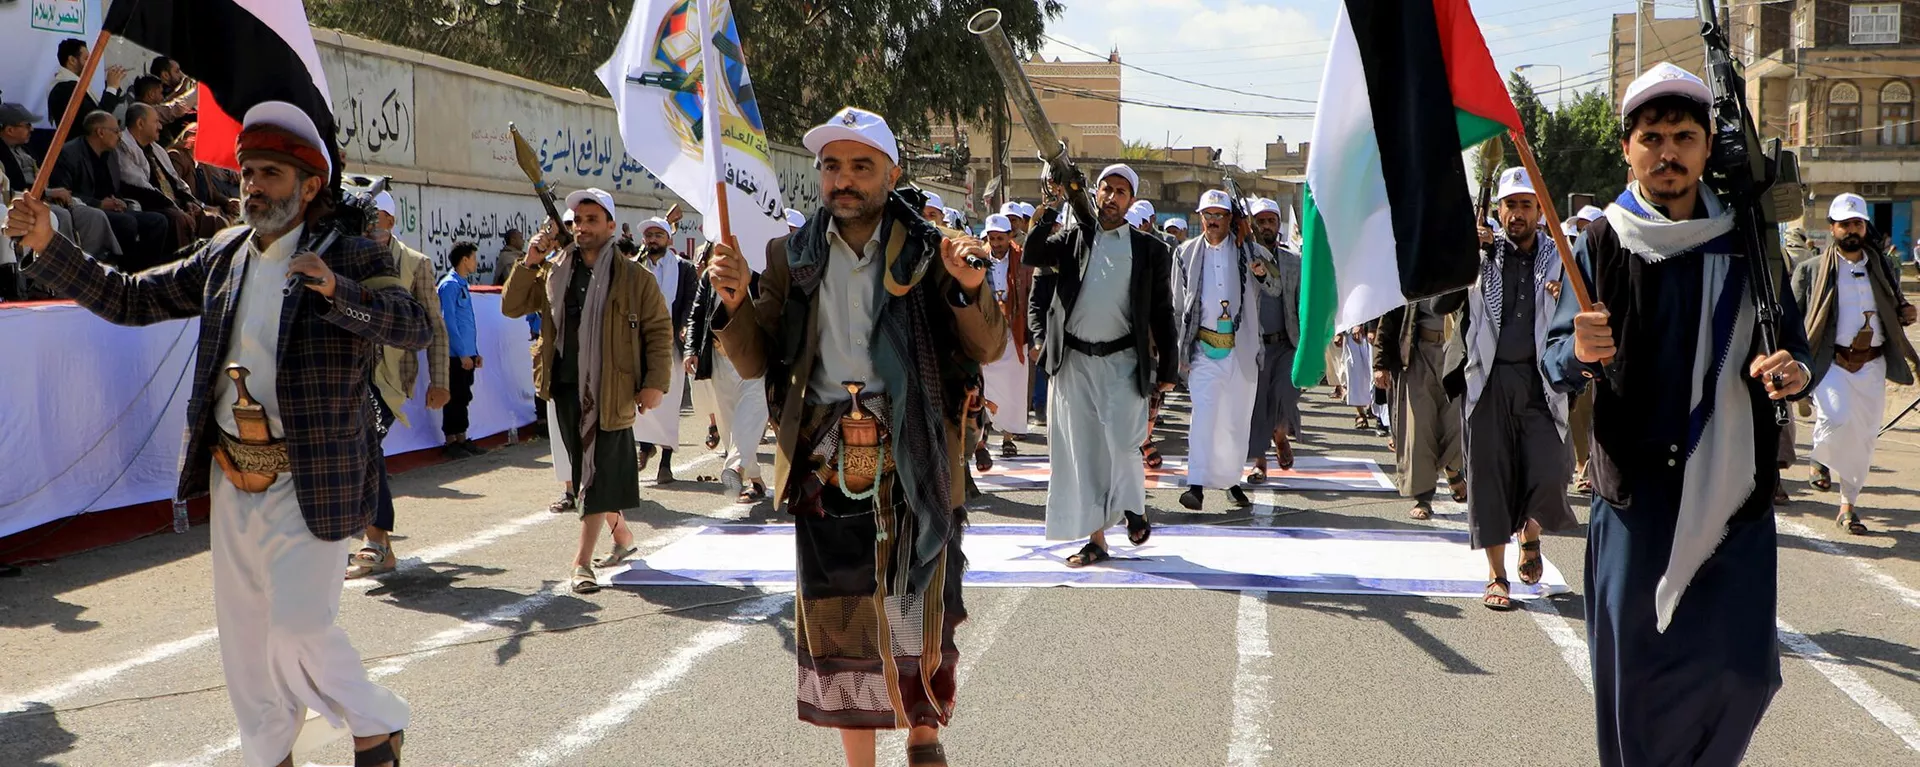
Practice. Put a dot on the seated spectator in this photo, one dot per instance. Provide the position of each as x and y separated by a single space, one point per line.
73 58
175 115
178 85
147 175
513 249
88 168
85 226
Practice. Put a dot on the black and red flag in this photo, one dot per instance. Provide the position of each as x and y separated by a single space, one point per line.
242 52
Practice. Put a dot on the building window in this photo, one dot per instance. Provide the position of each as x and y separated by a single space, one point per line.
1843 115
1873 23
1896 114
1793 127
1750 46
1803 27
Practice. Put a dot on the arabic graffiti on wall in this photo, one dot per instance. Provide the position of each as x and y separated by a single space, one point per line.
433 219
372 106
69 16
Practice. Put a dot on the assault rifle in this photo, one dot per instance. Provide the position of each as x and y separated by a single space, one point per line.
1759 183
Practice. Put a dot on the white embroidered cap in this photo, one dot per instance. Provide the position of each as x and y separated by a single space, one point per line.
655 223
954 219
383 202
1664 79
1010 209
1138 217
1144 207
1263 205
1176 223
1590 214
854 124
1848 206
1215 198
1514 181
998 223
596 196
1026 210
934 202
1117 169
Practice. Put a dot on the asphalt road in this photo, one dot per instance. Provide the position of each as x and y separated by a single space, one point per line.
109 658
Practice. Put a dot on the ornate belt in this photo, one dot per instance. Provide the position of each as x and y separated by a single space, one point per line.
1853 359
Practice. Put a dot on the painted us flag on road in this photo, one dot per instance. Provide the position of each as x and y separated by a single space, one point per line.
1388 219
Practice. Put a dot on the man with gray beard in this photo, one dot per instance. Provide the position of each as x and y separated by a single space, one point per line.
1276 404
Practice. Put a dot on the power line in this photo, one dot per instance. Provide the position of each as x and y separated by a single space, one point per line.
1184 80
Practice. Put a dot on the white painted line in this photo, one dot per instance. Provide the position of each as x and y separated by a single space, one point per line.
80 682
984 628
1252 684
1867 571
1573 646
593 727
1879 706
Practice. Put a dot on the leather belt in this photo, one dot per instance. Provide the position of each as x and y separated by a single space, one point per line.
1101 349
251 468
1432 336
1269 339
1853 359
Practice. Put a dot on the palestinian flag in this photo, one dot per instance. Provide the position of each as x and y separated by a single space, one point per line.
242 52
1387 220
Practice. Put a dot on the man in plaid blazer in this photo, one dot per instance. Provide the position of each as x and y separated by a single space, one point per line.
309 351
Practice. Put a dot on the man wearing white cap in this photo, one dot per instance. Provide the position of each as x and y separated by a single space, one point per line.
738 405
658 430
1177 229
1218 279
1276 408
1585 218
396 373
605 351
1580 407
1853 301
869 327
1111 310
1005 379
1515 427
934 210
1680 598
278 431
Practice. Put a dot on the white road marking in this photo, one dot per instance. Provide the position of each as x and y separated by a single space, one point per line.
1872 574
1573 646
80 682
984 628
463 545
1879 706
1252 684
591 728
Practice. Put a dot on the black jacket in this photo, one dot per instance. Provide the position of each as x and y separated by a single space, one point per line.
1151 289
1038 302
89 176
57 101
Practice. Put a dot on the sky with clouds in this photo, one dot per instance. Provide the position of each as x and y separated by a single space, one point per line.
1266 56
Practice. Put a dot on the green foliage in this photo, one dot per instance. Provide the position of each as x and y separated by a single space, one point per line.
910 60
1140 150
1577 145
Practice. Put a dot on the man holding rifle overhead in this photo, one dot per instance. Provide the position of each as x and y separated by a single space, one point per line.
1680 592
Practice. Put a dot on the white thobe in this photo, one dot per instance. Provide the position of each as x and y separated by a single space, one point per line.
276 587
1097 415
1006 378
660 426
1222 390
1848 407
740 406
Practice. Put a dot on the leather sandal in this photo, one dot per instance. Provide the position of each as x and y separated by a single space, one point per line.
371 559
384 754
1532 568
619 554
713 436
1090 554
583 581
1138 528
1498 596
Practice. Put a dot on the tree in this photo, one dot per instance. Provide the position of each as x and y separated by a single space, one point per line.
1139 150
910 60
1577 145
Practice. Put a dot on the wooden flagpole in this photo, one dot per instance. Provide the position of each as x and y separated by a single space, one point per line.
1567 263
65 124
712 78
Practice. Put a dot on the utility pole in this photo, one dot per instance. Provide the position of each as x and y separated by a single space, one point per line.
1639 20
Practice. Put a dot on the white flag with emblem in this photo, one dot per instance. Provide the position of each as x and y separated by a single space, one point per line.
658 78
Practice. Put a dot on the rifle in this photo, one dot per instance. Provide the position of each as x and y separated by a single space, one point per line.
1747 175
1060 167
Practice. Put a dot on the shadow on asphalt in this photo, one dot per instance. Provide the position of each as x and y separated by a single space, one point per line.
32 600
1869 652
1400 613
33 737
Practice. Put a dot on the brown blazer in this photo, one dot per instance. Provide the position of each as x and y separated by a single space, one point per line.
640 350
746 336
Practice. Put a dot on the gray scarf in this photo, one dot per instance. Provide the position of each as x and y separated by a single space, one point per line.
592 324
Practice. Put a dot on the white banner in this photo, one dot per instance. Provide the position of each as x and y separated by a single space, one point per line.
655 78
30 35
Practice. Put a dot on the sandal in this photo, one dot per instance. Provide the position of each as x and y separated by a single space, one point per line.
1138 528
1421 511
1150 455
923 755
1360 422
1850 522
1286 455
1821 478
1457 484
1532 568
1258 477
1090 554
1008 449
562 506
1498 597
646 457
713 436
618 555
372 559
753 493
583 581
982 460
384 753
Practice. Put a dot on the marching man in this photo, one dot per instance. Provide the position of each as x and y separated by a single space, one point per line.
1855 351
1218 279
658 430
1006 378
